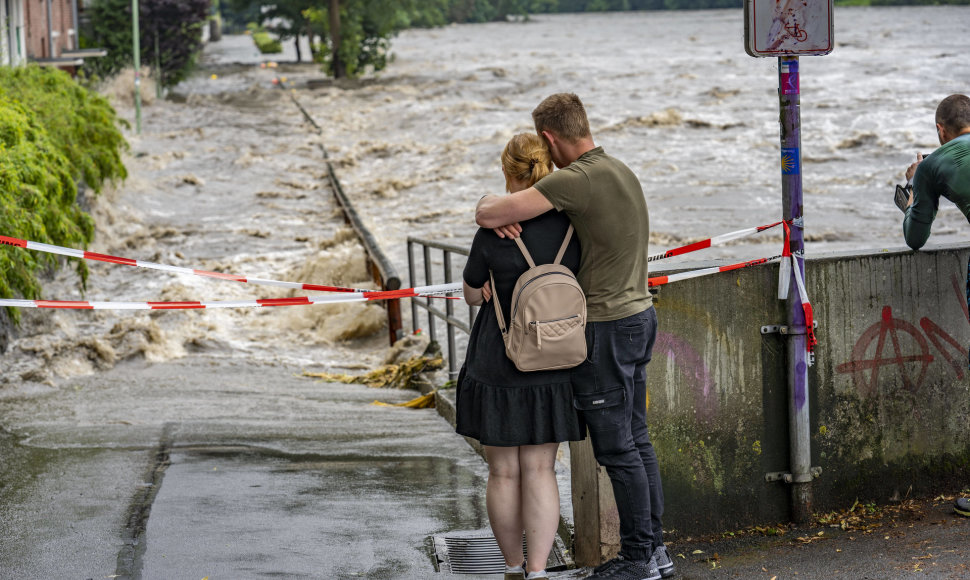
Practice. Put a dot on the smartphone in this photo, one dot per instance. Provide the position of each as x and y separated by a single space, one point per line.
901 197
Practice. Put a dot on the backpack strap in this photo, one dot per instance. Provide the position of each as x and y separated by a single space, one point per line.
562 248
525 252
498 307
532 264
565 242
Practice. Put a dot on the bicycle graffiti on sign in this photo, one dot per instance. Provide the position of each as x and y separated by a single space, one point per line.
788 27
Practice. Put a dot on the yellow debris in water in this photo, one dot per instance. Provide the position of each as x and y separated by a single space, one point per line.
422 402
214 76
398 376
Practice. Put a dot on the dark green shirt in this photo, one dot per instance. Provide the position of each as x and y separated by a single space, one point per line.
605 203
945 172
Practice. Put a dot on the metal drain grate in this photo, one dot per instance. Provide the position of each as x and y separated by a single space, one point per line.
476 552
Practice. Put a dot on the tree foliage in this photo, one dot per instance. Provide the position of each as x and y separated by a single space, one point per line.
367 26
53 133
173 26
81 123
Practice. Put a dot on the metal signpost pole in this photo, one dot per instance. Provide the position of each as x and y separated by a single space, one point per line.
791 191
787 30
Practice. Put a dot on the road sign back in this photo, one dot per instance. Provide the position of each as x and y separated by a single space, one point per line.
788 27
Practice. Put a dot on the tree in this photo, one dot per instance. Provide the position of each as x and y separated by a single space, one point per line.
337 66
356 33
170 35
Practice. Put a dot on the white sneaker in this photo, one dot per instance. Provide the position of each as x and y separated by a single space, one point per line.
515 572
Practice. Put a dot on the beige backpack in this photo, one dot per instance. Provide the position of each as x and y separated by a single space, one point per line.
547 327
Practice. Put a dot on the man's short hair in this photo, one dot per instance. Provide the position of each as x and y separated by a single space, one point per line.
954 113
564 115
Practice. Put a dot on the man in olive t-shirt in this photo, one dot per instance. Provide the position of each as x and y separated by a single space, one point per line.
605 203
944 173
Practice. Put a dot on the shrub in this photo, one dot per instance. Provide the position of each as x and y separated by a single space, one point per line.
82 124
37 201
266 43
53 133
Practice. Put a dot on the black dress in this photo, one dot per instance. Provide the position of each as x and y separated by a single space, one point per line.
496 403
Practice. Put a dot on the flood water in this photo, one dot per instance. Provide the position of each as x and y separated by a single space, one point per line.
232 178
674 95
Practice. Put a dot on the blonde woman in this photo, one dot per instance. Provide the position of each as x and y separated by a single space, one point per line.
520 418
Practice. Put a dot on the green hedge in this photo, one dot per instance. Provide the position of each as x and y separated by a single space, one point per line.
266 43
53 134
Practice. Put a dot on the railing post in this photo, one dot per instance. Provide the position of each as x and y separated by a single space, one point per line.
412 282
394 322
432 334
446 314
450 311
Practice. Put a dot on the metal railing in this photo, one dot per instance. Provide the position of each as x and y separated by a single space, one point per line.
432 306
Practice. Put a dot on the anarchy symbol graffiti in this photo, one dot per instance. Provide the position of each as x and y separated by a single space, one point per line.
909 353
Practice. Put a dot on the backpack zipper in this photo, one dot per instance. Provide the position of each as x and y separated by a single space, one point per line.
538 324
515 299
535 322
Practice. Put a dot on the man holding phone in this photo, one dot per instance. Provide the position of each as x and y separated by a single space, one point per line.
944 173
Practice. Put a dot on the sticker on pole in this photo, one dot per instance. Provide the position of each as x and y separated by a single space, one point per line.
788 27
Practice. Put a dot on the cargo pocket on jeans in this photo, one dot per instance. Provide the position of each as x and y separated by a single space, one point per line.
603 410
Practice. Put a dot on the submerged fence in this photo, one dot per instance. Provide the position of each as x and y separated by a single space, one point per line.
381 269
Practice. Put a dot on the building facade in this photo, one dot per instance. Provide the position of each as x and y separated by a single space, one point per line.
13 34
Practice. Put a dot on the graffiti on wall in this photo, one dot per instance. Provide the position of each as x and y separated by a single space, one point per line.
693 369
905 349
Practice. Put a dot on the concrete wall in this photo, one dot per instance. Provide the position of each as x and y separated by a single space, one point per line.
889 390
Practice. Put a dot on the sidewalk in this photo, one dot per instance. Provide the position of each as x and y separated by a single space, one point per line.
914 539
911 539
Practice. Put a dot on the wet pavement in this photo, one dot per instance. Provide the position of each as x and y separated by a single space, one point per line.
203 467
914 539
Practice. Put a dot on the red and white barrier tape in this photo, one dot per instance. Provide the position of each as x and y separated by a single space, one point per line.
661 280
362 295
420 291
787 267
810 341
784 271
85 255
715 241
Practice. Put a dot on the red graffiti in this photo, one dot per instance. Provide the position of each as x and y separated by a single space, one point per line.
917 359
956 289
936 334
910 352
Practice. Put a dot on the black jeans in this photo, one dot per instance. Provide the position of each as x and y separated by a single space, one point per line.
610 389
